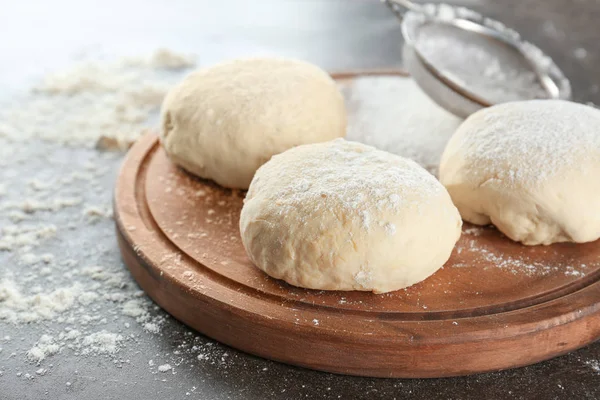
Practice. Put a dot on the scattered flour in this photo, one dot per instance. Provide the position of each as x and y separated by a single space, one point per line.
98 211
494 258
59 279
164 368
151 327
136 308
594 365
103 104
101 343
22 236
30 206
44 347
15 307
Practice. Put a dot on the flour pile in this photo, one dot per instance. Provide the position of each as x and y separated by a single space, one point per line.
106 104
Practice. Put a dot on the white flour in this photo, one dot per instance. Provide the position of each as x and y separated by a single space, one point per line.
56 276
516 265
393 114
20 308
43 348
25 236
488 68
497 79
594 365
164 368
104 104
101 343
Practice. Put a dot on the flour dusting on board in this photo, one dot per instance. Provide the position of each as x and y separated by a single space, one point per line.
486 257
393 114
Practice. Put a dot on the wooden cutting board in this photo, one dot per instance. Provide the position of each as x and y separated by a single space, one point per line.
495 304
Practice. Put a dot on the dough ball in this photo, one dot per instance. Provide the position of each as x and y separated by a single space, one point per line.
345 216
224 122
531 168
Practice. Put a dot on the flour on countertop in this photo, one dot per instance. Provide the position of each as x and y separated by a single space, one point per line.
43 348
58 277
20 308
24 236
164 368
594 365
102 104
101 343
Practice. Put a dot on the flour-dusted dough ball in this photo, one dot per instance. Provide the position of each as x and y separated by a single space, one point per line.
224 122
531 168
344 216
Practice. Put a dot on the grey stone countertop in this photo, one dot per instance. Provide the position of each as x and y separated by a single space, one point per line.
74 324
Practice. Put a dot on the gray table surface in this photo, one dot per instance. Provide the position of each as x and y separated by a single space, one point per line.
43 36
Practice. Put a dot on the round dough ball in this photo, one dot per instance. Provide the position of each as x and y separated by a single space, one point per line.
224 122
531 168
342 215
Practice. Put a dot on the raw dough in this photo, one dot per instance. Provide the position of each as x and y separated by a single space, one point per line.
342 215
531 168
224 122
